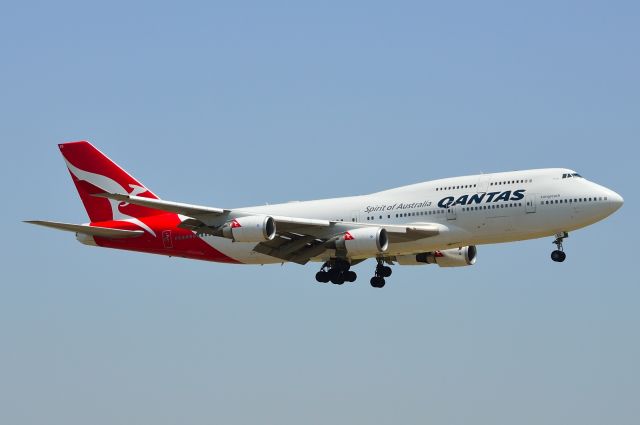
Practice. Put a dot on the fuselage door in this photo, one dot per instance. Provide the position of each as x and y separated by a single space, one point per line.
166 239
451 212
530 202
483 183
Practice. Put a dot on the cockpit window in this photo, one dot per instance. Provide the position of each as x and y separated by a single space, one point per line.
569 175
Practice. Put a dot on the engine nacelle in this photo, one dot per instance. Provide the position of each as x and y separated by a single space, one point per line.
255 228
454 257
364 242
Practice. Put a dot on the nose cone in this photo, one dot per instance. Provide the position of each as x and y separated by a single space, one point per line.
616 201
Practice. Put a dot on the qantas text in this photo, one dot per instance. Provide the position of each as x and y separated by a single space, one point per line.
479 198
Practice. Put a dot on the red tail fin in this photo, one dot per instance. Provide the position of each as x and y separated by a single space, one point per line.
93 172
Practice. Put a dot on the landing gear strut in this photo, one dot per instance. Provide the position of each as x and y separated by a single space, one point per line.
382 271
337 272
558 255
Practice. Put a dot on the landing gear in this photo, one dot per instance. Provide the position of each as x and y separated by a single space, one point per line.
322 276
558 255
382 271
350 276
377 282
337 272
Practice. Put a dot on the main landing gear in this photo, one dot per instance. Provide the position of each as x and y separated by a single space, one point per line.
558 255
382 271
336 272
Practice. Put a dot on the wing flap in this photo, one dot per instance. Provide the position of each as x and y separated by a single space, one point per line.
103 232
291 248
411 232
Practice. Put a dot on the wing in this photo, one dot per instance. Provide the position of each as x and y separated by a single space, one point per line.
103 232
297 239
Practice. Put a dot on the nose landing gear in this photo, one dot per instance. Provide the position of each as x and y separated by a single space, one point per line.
558 255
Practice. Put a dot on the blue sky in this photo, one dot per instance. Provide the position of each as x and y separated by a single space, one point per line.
239 104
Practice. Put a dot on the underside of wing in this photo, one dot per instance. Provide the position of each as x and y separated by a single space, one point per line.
293 247
312 240
103 232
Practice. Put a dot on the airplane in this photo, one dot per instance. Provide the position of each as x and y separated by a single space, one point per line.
435 222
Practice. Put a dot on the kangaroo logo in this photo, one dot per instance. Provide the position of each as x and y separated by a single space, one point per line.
111 186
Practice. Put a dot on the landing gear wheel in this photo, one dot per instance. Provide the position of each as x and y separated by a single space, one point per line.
338 279
322 276
382 271
558 256
336 271
333 273
377 282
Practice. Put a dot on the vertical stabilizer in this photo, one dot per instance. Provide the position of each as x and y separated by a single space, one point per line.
93 172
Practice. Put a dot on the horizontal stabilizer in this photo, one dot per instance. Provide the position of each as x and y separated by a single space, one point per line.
168 206
103 232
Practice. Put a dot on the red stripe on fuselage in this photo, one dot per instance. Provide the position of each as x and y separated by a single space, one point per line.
191 247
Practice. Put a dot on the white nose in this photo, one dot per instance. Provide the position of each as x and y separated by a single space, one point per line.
615 201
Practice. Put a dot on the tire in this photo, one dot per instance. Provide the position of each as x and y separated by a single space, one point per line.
558 256
322 277
338 279
377 282
386 271
350 276
333 273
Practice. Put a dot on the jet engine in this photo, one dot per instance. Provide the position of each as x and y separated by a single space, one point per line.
255 228
363 242
454 257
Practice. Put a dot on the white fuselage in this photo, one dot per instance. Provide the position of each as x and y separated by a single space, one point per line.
470 210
